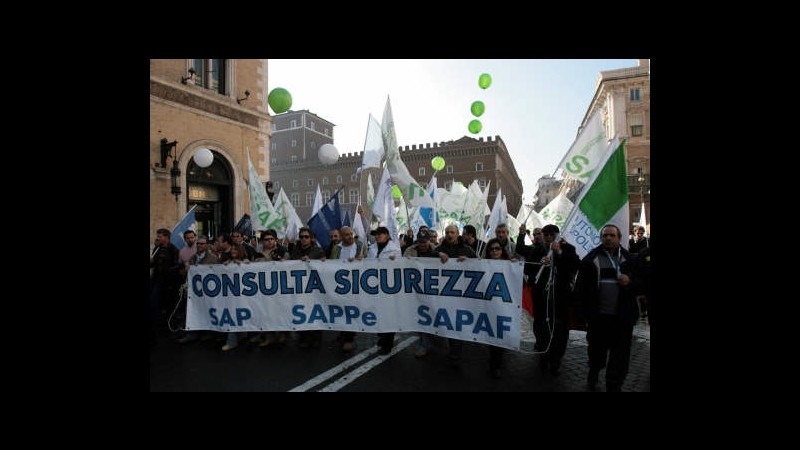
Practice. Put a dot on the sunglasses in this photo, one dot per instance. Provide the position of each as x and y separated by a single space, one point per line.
305 236
494 248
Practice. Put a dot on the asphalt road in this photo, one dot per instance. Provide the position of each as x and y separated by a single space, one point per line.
202 366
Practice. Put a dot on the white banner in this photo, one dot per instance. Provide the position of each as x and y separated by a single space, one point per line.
474 300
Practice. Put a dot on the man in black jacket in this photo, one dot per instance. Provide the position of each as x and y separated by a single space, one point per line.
607 290
552 296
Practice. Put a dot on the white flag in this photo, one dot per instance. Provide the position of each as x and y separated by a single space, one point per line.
373 146
293 224
370 192
317 203
496 217
557 210
588 149
380 207
358 225
643 220
414 194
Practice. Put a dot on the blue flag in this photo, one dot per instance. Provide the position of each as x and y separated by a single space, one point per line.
245 226
327 219
187 223
346 221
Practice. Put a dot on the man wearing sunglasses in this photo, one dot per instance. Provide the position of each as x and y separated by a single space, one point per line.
307 250
552 296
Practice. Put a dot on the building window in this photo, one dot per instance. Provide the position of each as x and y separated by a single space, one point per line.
448 169
293 158
353 178
211 74
324 181
274 127
310 182
295 183
273 146
309 198
274 160
276 185
341 195
353 196
294 142
293 124
312 126
313 144
326 195
295 199
478 166
482 183
637 125
326 131
422 171
338 179
636 94
448 184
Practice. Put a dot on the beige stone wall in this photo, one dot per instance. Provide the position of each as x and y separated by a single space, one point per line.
613 95
198 117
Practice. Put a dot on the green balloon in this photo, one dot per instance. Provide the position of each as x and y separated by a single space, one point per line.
485 80
475 126
396 192
280 100
437 163
477 108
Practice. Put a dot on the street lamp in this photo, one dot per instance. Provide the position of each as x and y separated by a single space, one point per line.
175 173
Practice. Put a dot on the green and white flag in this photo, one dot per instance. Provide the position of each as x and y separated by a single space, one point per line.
603 201
584 156
283 206
556 211
262 212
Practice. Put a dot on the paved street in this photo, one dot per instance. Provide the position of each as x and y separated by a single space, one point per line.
202 366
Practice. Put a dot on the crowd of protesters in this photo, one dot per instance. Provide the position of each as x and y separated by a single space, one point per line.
609 289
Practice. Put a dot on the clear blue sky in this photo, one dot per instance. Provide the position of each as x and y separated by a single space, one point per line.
535 106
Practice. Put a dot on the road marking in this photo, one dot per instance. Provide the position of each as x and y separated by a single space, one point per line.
330 373
352 376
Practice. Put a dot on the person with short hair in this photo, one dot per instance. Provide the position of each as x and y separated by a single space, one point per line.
605 286
424 248
454 247
470 235
306 250
348 250
203 256
384 247
552 296
164 279
238 255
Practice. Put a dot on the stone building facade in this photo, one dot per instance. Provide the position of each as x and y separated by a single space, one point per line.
296 168
623 95
218 104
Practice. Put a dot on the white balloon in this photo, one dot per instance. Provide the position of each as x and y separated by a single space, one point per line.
203 157
328 154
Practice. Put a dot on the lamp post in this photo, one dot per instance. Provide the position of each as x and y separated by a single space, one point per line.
175 173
